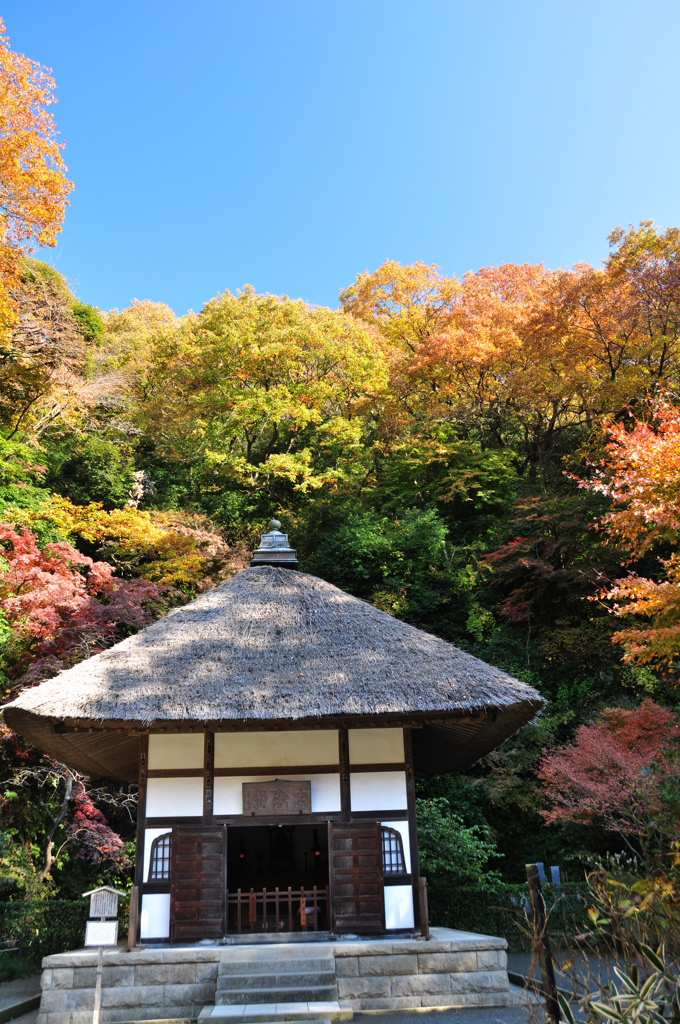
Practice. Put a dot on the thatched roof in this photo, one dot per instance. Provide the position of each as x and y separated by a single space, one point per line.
275 645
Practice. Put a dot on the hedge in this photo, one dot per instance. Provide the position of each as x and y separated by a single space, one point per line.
502 909
37 928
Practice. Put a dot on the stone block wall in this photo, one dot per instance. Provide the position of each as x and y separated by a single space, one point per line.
454 969
149 985
445 972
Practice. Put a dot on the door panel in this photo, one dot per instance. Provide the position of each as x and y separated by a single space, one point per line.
356 878
198 883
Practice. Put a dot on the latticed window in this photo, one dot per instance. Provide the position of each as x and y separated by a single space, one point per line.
392 852
159 870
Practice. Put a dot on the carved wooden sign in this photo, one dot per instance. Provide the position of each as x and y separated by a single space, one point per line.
278 797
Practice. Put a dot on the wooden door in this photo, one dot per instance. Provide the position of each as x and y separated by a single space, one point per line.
356 878
198 883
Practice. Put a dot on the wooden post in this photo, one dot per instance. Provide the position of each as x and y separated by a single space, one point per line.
541 943
424 913
133 919
98 987
343 756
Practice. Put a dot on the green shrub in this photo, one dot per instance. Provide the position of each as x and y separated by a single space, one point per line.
501 909
38 928
14 966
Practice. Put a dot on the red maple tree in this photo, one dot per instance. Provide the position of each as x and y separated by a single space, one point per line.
62 606
617 773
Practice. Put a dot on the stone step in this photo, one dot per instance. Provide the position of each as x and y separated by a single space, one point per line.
279 994
270 979
252 1013
273 938
241 964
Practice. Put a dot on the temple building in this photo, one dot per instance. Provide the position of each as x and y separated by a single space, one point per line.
275 726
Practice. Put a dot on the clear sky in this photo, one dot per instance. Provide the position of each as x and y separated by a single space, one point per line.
292 144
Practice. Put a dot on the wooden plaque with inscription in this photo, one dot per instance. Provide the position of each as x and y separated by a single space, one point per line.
279 797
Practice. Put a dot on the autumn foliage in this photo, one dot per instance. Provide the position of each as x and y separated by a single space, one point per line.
62 605
615 771
640 474
34 185
96 839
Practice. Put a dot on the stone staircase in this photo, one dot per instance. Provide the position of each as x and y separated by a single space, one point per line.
258 985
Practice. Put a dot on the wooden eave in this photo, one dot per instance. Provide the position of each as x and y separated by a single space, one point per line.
450 741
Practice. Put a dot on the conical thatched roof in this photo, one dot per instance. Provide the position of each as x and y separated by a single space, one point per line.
275 645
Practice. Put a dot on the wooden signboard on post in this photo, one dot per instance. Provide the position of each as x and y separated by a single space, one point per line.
103 904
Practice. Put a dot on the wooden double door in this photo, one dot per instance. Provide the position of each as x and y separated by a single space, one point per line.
198 896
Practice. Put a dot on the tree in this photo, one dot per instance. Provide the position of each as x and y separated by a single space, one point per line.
648 261
70 818
450 849
87 469
43 359
640 474
33 183
62 606
619 773
407 304
257 389
481 353
50 816
130 336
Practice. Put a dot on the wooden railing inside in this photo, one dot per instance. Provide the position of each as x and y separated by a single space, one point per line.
278 910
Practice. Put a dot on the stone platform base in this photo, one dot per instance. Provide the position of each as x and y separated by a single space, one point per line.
453 969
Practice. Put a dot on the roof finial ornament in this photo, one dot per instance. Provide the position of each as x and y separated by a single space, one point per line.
274 549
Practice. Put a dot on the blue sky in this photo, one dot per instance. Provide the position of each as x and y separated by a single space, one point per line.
292 144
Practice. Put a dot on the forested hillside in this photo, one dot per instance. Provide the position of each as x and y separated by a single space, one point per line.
494 459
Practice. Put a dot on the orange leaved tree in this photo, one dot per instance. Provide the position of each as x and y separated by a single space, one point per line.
33 184
641 476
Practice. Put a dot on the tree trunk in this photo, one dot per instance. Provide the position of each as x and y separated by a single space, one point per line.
49 855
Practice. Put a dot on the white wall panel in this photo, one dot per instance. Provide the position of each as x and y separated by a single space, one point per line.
149 835
375 746
276 749
179 750
155 916
228 798
402 828
378 791
398 906
174 798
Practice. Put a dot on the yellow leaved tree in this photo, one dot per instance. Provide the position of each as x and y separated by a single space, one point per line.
33 183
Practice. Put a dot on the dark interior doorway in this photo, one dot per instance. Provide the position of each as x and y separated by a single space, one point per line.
266 856
277 878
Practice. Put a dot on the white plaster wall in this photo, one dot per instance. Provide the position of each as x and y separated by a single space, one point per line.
174 798
155 916
276 749
399 907
402 828
378 791
375 746
228 799
149 835
180 750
